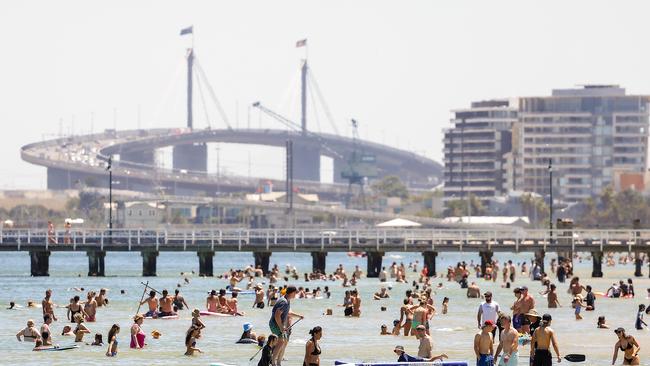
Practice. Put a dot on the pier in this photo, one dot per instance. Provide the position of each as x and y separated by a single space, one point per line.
262 243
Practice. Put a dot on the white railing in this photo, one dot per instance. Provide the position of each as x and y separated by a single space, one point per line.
363 239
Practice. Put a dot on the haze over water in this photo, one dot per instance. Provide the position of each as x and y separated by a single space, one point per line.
343 338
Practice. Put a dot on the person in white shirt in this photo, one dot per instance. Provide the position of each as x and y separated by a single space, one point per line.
488 310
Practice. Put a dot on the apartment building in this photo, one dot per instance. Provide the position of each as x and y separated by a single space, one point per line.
475 149
589 135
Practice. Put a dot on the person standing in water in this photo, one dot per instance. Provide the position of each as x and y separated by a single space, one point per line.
111 351
267 351
484 345
29 333
312 349
46 333
542 340
137 335
190 340
508 343
280 323
629 346
48 305
259 297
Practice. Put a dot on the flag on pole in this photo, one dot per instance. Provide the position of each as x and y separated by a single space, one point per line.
187 30
301 43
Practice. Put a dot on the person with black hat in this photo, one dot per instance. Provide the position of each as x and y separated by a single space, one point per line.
542 340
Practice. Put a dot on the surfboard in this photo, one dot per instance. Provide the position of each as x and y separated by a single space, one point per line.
59 348
436 363
170 317
209 313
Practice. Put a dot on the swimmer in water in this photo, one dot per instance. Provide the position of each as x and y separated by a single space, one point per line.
111 351
601 324
81 328
29 333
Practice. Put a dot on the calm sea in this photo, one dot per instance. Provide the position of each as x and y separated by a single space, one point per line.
344 338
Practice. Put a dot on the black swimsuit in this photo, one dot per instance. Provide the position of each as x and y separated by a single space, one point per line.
315 352
629 346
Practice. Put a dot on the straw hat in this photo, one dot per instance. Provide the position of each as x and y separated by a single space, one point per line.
534 313
155 334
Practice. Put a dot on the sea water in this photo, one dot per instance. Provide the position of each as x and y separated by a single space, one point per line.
354 339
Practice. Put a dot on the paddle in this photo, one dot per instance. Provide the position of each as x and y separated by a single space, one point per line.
258 351
573 357
147 285
142 298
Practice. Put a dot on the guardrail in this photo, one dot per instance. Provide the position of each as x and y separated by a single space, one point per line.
320 239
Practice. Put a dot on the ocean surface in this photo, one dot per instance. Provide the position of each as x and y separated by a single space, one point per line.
343 338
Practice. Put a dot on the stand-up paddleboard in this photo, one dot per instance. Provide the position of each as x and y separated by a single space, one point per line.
58 348
170 317
209 313
242 292
435 363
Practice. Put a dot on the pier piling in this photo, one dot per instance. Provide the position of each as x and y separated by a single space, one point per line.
318 261
40 262
262 261
205 263
597 261
149 259
96 263
374 263
430 262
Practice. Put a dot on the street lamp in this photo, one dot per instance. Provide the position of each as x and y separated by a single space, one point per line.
550 206
110 199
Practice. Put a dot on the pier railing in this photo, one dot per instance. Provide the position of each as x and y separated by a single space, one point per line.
514 239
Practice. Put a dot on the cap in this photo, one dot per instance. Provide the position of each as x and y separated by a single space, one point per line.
523 288
247 327
488 323
619 330
420 327
547 317
487 293
398 348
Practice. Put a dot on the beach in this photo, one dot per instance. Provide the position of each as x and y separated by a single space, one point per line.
354 339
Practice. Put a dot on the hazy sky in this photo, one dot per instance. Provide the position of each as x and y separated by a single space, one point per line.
398 67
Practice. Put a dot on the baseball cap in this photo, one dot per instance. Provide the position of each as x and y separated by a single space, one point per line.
488 323
398 348
420 327
547 317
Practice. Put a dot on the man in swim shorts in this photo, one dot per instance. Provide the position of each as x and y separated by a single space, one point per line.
484 345
280 323
508 343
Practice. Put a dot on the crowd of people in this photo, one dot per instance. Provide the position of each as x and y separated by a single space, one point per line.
501 331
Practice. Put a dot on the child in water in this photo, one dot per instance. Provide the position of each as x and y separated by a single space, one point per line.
601 323
577 304
445 305
267 351
98 340
639 324
112 341
190 340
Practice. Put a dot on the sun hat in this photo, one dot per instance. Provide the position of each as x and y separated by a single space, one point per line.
533 312
247 327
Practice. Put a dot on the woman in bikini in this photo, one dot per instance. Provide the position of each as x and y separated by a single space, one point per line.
137 335
81 328
112 341
629 346
312 349
406 314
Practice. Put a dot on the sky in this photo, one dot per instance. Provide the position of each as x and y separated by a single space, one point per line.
398 67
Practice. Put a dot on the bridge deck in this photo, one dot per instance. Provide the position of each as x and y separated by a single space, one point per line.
333 240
